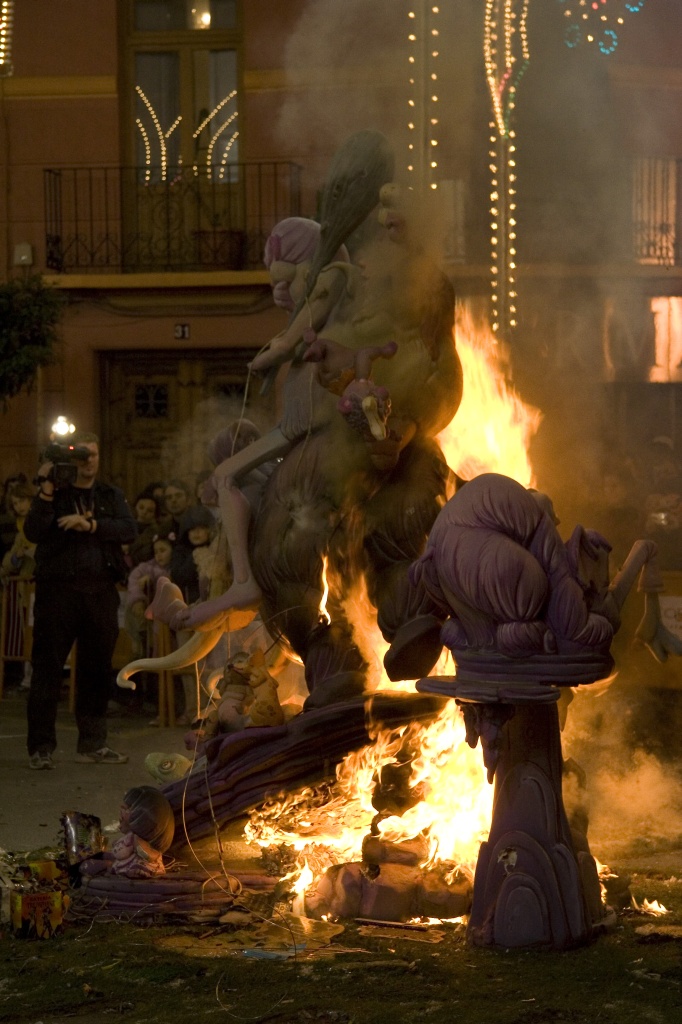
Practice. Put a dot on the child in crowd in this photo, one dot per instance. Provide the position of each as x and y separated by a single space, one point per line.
19 560
197 527
150 521
190 572
146 510
141 586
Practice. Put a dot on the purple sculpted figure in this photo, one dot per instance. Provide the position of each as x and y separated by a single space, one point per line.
513 591
496 564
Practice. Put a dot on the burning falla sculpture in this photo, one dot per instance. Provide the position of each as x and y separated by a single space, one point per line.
524 615
360 482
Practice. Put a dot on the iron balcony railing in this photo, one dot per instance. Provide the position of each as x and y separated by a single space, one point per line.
131 219
657 211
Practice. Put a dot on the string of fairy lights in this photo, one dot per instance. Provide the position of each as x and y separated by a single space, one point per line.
423 57
162 136
597 21
506 57
6 17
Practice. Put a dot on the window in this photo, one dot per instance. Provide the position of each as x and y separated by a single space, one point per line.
667 340
151 401
169 15
184 73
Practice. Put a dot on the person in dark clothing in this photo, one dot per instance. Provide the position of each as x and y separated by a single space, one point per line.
149 520
78 529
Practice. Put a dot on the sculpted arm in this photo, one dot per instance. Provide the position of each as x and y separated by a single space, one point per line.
313 315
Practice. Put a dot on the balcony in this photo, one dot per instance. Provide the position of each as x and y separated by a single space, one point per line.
657 211
137 220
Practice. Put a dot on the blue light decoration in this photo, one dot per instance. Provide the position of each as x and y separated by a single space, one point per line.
596 21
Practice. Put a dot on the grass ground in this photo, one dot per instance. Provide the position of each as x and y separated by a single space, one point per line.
111 971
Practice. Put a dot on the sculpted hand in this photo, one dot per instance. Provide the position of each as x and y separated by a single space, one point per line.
277 351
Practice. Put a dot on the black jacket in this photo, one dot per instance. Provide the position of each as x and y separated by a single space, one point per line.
87 560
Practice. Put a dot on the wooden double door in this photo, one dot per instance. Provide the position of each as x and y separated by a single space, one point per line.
160 409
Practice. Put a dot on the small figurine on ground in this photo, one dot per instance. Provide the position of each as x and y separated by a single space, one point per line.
147 824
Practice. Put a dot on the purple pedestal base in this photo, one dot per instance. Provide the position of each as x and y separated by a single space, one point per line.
536 883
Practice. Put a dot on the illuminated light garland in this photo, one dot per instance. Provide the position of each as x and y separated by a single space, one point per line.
147 149
591 21
505 66
209 152
163 136
159 131
6 17
219 106
226 153
172 128
423 59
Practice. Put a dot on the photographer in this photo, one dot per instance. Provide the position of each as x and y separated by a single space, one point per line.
78 525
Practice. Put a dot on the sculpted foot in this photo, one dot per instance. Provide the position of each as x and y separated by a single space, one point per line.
168 602
234 609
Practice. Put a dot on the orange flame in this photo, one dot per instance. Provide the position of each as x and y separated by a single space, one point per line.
651 907
324 614
453 813
493 426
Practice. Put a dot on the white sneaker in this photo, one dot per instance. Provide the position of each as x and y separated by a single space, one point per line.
41 761
105 755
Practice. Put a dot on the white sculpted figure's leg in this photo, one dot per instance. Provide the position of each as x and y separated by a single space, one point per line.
269 446
239 604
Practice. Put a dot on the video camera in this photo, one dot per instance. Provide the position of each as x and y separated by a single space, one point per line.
64 458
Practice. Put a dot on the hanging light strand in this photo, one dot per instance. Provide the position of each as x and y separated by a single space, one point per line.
147 150
211 145
6 18
506 57
160 134
226 153
423 94
219 106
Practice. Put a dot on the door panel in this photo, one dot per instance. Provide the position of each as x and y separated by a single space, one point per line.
160 409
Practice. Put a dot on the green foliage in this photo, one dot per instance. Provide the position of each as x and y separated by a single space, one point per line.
30 312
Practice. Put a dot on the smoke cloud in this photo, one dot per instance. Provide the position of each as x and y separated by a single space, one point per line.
624 741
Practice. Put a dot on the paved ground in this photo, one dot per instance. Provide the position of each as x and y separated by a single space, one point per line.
32 802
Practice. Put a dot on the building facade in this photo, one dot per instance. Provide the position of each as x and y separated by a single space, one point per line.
147 147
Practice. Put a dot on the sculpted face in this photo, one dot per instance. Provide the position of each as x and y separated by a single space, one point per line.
288 282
